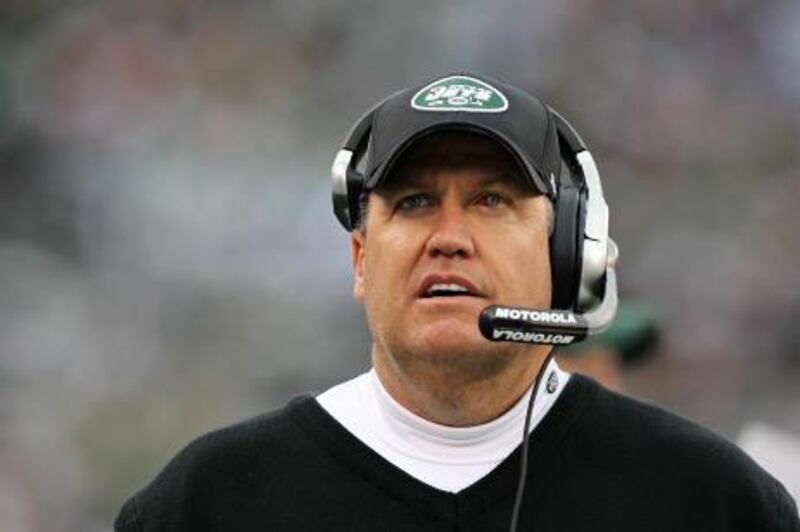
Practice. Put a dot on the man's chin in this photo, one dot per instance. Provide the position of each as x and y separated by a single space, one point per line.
469 359
455 340
453 330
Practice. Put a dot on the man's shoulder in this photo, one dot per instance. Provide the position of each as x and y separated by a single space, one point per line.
229 460
630 425
254 435
643 421
653 446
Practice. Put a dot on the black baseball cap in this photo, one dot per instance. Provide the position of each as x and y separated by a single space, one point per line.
466 102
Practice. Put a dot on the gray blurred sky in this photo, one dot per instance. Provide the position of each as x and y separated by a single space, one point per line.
169 261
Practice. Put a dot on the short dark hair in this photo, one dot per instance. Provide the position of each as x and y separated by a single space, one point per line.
363 211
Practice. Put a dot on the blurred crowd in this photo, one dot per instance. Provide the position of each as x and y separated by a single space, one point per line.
169 261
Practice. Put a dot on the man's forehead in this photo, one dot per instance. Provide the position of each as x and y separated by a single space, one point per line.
455 151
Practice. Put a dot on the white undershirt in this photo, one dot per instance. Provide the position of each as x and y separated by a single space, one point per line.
447 458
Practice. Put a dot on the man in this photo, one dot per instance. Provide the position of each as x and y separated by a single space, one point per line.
454 196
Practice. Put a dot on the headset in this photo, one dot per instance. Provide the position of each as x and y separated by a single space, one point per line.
582 256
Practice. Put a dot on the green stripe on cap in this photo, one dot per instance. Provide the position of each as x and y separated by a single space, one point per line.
460 93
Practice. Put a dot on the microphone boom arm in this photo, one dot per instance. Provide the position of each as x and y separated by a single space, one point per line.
553 327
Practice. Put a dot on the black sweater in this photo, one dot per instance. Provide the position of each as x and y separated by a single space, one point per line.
599 462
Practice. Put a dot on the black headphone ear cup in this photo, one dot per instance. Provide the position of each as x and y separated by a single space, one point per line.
566 247
355 189
348 182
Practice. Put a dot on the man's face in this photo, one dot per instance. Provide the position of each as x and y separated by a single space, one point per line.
451 232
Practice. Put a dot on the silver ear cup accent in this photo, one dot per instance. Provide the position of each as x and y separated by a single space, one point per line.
600 317
596 207
341 205
595 241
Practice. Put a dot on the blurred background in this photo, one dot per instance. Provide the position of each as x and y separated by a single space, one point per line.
169 261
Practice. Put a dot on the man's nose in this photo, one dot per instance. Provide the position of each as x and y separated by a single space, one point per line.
451 235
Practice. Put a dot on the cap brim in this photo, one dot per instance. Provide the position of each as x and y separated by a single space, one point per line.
377 176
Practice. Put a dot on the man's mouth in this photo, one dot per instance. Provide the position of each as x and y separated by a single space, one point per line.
446 290
447 285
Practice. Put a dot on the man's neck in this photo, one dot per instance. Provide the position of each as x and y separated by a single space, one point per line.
450 396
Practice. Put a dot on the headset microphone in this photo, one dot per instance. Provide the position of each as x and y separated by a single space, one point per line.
500 323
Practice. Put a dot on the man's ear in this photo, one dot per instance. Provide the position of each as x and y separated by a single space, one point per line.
357 242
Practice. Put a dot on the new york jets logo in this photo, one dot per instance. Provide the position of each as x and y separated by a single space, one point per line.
460 93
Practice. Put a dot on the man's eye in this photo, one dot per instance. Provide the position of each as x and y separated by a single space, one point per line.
413 202
492 199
